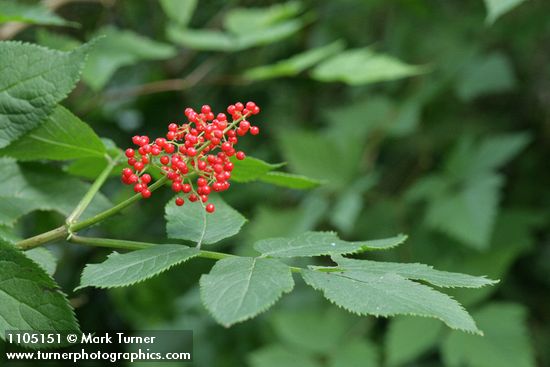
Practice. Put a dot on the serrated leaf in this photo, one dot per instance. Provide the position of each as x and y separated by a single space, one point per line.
388 295
363 66
413 271
29 298
12 11
497 8
121 48
29 187
290 180
191 222
295 64
179 11
34 79
277 355
44 258
239 288
404 343
251 169
321 243
505 344
62 136
121 270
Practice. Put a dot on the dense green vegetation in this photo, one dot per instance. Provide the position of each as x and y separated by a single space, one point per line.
425 118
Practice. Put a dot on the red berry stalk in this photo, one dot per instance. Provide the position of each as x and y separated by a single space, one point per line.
200 147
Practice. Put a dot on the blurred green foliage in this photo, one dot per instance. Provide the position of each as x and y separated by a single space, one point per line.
426 118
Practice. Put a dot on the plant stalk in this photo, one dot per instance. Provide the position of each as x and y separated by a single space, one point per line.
67 230
135 245
87 199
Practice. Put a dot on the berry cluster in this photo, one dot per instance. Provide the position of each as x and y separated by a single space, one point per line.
187 155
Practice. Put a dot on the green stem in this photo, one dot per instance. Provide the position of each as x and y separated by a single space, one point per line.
114 210
135 245
50 236
65 230
87 199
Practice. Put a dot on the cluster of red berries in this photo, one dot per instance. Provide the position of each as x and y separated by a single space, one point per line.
187 153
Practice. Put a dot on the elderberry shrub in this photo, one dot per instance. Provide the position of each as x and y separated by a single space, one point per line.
189 151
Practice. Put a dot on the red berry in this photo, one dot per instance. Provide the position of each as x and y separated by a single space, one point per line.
179 201
191 152
186 188
165 159
146 178
129 153
201 181
139 166
127 172
138 187
176 187
145 193
210 208
173 127
240 155
254 130
170 135
133 178
193 198
239 106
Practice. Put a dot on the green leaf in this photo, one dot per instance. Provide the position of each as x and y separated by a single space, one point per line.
496 151
506 342
295 64
121 48
321 243
349 204
205 40
320 157
29 298
11 11
239 288
62 136
404 343
497 8
29 187
277 356
251 169
44 258
485 75
34 79
244 21
357 352
290 180
121 270
179 11
468 215
191 222
246 27
413 271
388 295
363 66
